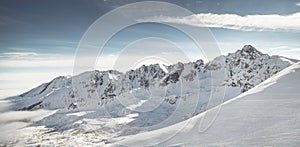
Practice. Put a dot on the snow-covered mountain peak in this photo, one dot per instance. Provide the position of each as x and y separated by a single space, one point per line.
248 52
248 49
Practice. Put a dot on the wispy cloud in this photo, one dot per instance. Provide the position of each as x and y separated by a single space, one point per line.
36 63
278 48
13 121
20 54
32 59
298 4
292 50
236 22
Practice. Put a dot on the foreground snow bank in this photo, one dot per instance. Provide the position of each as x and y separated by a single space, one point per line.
267 115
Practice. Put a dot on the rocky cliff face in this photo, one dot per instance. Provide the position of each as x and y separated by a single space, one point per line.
248 67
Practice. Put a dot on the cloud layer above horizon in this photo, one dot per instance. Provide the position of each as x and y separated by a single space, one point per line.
272 22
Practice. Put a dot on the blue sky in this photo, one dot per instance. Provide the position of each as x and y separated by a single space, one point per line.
38 39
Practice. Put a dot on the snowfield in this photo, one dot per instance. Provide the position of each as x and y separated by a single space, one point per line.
267 115
229 101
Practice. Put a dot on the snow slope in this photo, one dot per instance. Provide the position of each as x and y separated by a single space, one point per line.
267 115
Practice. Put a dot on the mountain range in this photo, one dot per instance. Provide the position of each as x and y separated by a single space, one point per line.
115 104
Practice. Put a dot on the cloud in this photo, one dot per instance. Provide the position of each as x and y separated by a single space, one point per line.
292 50
12 122
32 59
298 4
272 22
278 48
19 54
36 63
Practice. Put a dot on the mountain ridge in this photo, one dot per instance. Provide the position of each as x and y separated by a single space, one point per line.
241 66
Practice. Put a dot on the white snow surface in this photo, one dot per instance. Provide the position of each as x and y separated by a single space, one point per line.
267 115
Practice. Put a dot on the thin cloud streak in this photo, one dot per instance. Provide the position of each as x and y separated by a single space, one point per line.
278 48
33 59
292 50
236 22
21 54
39 63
